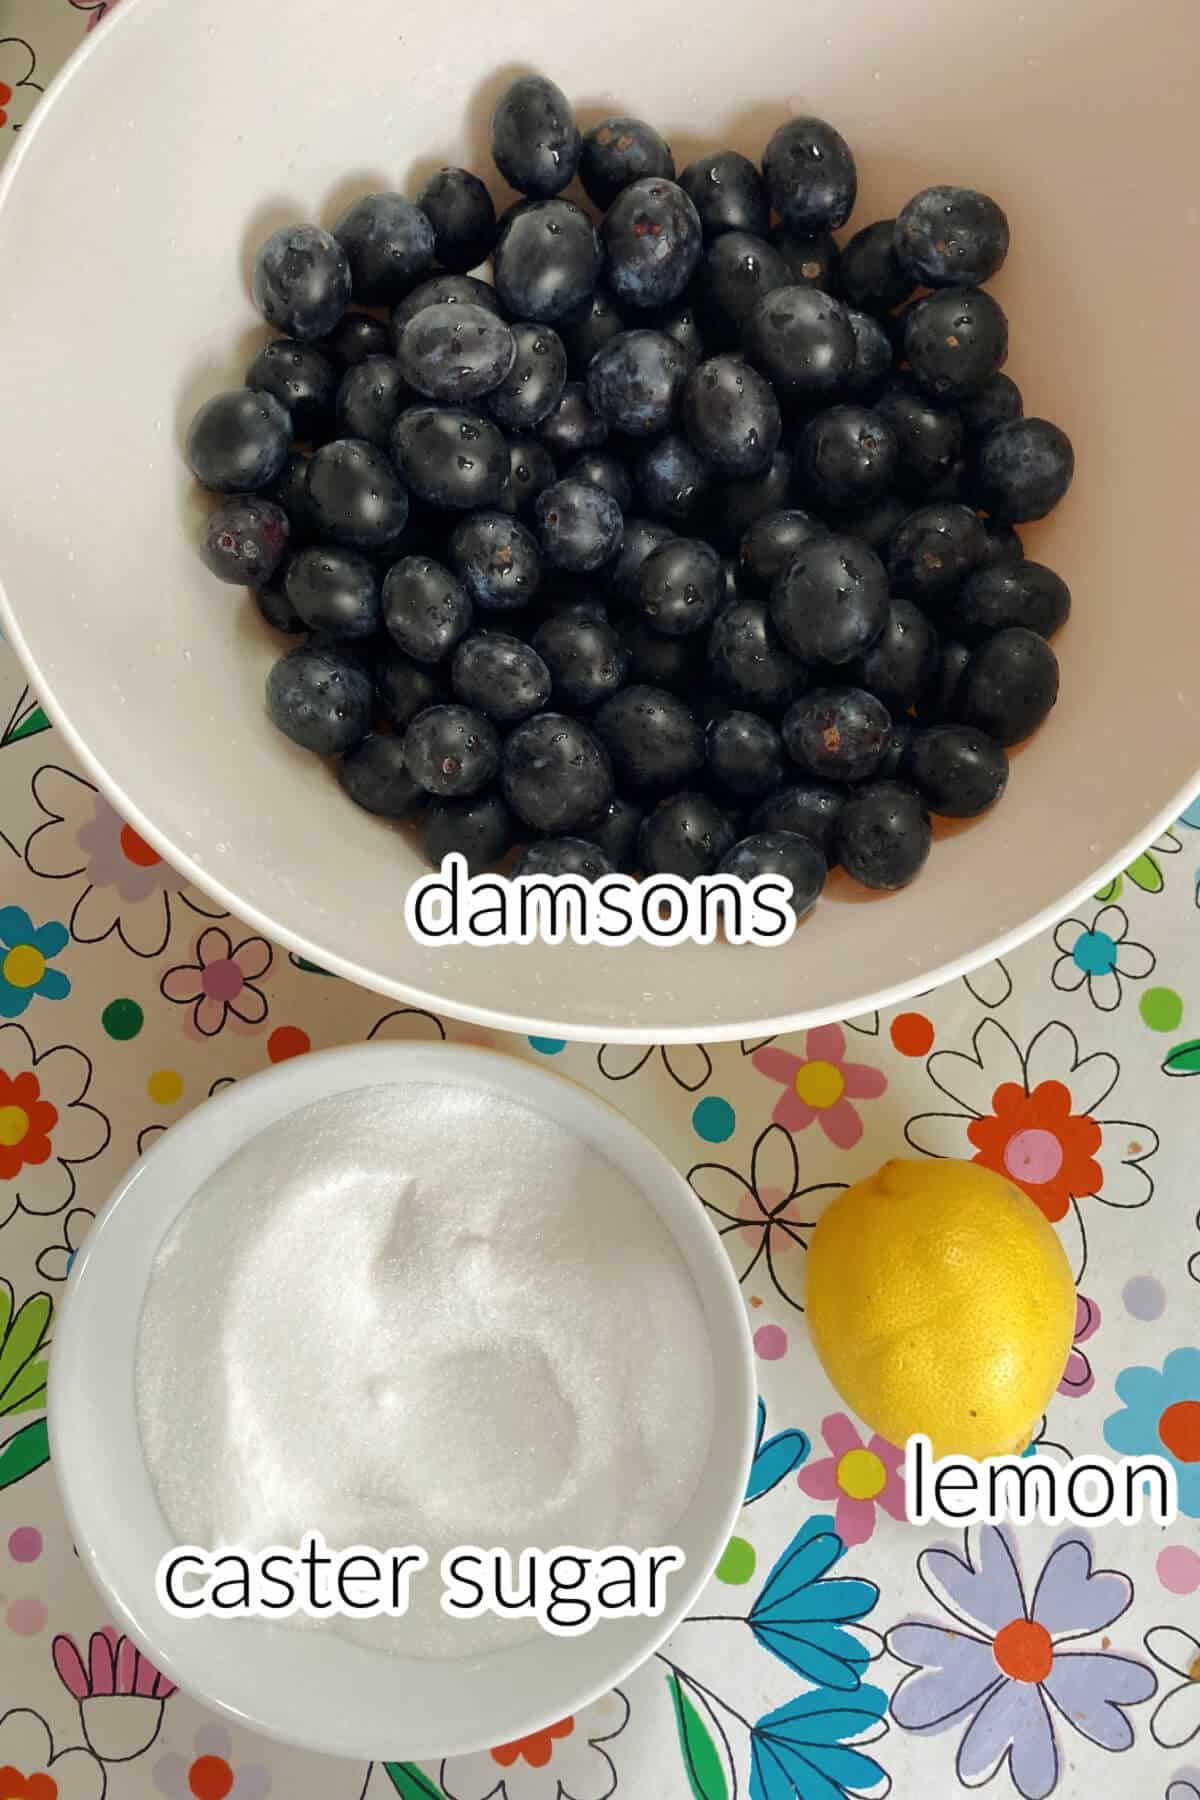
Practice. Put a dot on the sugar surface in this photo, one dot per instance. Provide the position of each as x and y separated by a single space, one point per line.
413 1315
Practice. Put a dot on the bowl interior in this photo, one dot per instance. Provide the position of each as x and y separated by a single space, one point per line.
184 134
312 1689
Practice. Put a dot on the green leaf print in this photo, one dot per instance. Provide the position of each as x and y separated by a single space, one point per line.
701 1758
410 1783
23 1339
1183 1059
24 1453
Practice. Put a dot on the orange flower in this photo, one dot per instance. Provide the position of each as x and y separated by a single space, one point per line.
15 1786
536 1750
26 1121
1040 1144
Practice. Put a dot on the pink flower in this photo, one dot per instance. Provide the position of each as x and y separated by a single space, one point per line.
820 1085
1078 1379
115 1665
858 1476
120 1693
219 985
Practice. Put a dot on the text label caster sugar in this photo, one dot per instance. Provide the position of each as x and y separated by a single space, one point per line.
411 1315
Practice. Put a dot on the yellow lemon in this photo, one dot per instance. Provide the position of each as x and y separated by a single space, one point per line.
941 1301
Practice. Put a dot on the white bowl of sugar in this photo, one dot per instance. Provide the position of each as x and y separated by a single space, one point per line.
402 1297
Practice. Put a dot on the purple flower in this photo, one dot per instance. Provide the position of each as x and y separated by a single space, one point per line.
1004 1668
1078 1379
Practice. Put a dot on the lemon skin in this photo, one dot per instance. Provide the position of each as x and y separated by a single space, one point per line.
941 1301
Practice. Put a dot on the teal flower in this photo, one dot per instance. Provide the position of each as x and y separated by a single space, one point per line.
774 1457
801 1614
1161 1417
25 951
806 1750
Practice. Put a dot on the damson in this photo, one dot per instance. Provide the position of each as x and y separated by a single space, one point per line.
455 352
839 733
239 441
951 237
245 540
883 834
635 382
555 774
535 140
388 243
321 700
534 383
829 603
501 676
783 853
810 175
356 497
451 751
685 835
579 525
680 587
460 209
618 151
451 458
731 416
425 610
547 262
497 561
652 236
847 456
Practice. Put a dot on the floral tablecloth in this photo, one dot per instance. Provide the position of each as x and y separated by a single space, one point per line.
839 1651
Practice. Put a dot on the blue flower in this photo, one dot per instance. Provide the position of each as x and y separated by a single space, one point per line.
774 1457
1161 1417
1192 815
804 1750
800 1614
25 954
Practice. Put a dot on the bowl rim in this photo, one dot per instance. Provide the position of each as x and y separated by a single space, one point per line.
413 994
92 1404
